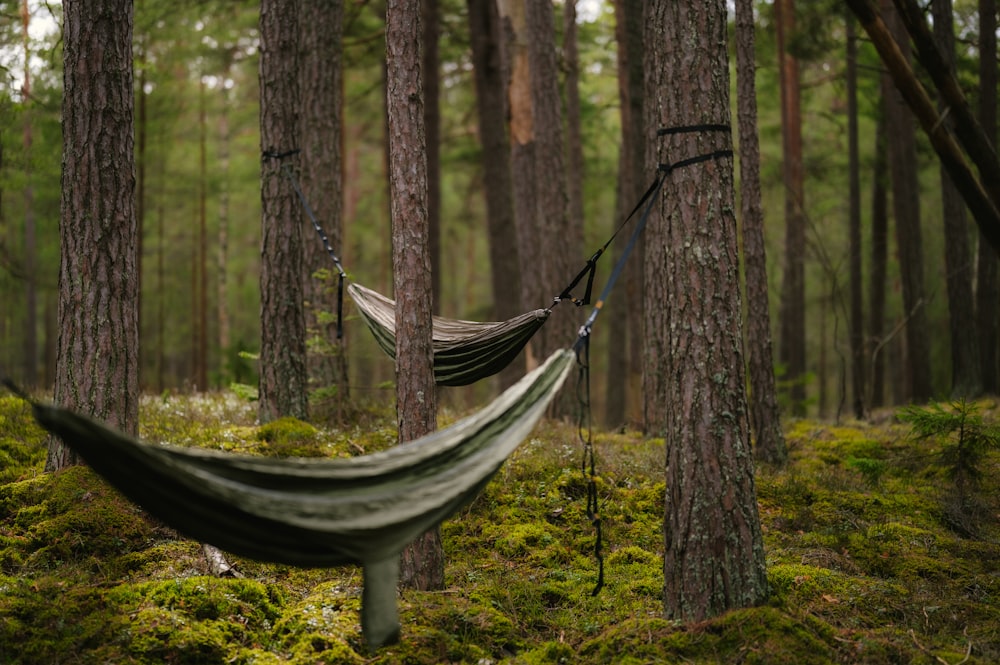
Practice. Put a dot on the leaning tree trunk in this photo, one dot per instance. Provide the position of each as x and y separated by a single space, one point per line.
695 379
422 564
97 361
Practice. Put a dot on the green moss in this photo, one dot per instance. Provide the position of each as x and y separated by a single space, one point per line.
289 437
22 441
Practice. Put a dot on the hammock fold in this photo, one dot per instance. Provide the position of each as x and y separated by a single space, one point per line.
317 513
464 351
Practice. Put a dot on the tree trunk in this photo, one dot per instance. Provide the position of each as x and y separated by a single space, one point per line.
320 77
422 564
966 370
624 318
30 349
222 286
491 104
695 379
574 138
906 211
879 259
432 131
765 417
857 319
97 359
987 280
200 273
283 380
792 347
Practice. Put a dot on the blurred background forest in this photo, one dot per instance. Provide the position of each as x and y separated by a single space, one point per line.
198 190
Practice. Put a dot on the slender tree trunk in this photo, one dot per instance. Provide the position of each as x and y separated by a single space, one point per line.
574 138
966 370
491 104
321 80
422 564
695 382
200 274
222 293
879 259
857 320
987 278
792 345
906 211
624 318
765 417
283 379
141 132
30 349
97 360
432 130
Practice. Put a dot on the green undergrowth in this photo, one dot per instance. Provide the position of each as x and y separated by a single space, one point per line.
864 563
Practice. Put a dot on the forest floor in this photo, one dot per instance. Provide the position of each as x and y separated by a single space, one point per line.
872 557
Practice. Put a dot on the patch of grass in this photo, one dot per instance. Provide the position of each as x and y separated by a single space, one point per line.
862 564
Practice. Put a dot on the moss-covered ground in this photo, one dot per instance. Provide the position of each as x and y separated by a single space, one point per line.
864 560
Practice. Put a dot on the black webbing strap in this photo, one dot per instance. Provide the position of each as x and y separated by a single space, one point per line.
582 345
590 269
271 154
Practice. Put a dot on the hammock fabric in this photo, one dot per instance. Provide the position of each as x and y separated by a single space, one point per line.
464 351
307 512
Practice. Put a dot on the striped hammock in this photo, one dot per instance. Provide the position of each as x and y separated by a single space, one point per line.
464 351
308 512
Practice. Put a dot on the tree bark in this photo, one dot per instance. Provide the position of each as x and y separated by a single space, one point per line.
321 81
987 264
624 317
695 379
283 379
765 417
97 358
966 370
432 131
792 342
422 564
857 320
491 105
909 244
879 259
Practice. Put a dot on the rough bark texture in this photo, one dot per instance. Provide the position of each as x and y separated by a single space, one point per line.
909 244
98 348
765 417
432 132
422 564
695 379
321 78
283 380
484 29
966 371
792 340
624 315
574 138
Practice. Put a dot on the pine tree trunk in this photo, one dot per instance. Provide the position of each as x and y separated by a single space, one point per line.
879 258
857 319
320 77
432 131
966 370
97 359
987 277
283 379
30 349
792 347
695 379
491 105
765 417
422 564
906 212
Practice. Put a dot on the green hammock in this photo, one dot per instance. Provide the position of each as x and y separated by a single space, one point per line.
464 351
362 510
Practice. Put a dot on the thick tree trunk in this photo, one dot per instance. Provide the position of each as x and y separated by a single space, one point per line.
422 564
491 104
879 258
695 379
432 131
987 278
97 359
283 380
765 417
